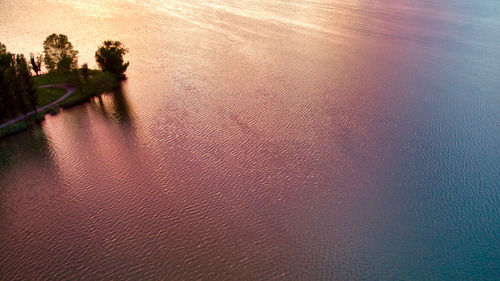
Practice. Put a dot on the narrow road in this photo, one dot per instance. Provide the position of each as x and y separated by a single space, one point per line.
70 89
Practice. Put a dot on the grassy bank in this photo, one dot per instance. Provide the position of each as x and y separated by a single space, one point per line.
61 78
49 95
51 78
45 96
98 83
23 124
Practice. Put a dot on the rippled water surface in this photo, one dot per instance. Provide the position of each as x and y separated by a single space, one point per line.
262 140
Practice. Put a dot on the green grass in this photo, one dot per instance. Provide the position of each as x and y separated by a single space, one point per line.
60 78
99 83
48 95
76 98
51 78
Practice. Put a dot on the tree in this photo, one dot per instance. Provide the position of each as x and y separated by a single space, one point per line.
109 57
26 80
19 97
31 93
59 54
3 49
25 87
65 64
7 80
101 82
34 64
6 58
85 71
17 88
39 62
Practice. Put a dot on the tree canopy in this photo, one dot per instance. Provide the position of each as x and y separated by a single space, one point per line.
7 76
27 85
109 57
36 63
59 54
3 49
17 89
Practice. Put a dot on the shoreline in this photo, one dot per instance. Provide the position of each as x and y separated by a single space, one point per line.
98 83
25 122
70 89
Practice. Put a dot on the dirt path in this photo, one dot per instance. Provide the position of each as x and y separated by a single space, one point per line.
70 89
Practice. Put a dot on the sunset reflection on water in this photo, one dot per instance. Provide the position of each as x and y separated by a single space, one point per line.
261 140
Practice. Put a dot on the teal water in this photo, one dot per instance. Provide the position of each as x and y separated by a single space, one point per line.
262 140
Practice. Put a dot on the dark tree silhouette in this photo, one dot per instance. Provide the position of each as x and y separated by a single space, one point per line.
7 81
26 80
3 49
25 88
85 71
59 54
17 88
31 93
34 64
39 60
109 57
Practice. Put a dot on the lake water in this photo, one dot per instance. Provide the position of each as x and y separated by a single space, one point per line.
262 140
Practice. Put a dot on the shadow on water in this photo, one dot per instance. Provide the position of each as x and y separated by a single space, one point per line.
116 106
34 143
31 144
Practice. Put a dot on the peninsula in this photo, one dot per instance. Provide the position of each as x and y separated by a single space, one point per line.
25 99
